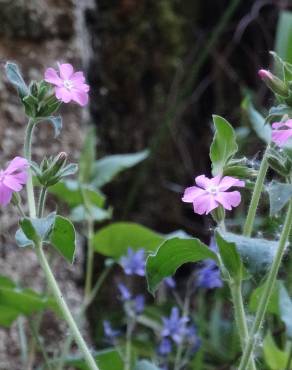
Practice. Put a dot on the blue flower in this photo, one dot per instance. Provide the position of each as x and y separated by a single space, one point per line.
134 262
109 332
174 326
125 293
169 282
209 276
139 303
165 347
192 338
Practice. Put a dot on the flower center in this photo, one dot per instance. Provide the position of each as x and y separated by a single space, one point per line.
68 84
213 190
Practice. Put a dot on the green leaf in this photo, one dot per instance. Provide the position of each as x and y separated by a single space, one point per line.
257 121
230 257
79 214
285 307
223 146
284 36
63 237
115 239
32 231
87 157
108 359
256 254
56 122
105 169
274 357
16 301
146 365
172 254
273 305
279 195
69 192
14 76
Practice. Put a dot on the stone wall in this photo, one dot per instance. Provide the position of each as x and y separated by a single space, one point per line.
36 34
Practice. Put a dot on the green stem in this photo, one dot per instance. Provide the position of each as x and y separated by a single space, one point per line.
52 283
87 301
27 155
90 257
64 308
42 202
129 333
240 318
268 289
248 226
23 340
289 361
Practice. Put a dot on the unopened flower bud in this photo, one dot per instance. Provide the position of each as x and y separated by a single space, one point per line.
274 83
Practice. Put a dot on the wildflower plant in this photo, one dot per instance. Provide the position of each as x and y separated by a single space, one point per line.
178 325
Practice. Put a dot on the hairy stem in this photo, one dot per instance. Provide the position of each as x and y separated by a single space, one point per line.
42 202
52 283
248 226
64 308
27 155
240 318
268 289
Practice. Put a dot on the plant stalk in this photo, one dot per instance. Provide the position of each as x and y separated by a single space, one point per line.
268 289
42 202
248 226
52 283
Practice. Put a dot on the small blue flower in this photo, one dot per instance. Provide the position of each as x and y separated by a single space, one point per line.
209 276
169 282
125 293
134 262
165 347
192 338
139 303
174 326
109 332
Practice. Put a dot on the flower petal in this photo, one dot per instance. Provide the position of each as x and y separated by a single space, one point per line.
11 182
66 71
52 77
202 181
280 137
191 193
17 164
228 181
80 97
63 94
78 78
228 199
204 204
5 195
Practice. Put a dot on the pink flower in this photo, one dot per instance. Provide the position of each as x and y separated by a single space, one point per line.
211 193
12 179
70 85
282 132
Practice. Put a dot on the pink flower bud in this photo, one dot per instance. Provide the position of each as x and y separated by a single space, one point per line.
273 82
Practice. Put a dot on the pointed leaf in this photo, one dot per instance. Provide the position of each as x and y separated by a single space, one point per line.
279 196
14 76
172 254
56 122
223 146
33 231
258 123
274 357
273 305
63 237
146 365
79 214
257 254
105 169
230 257
115 239
285 306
